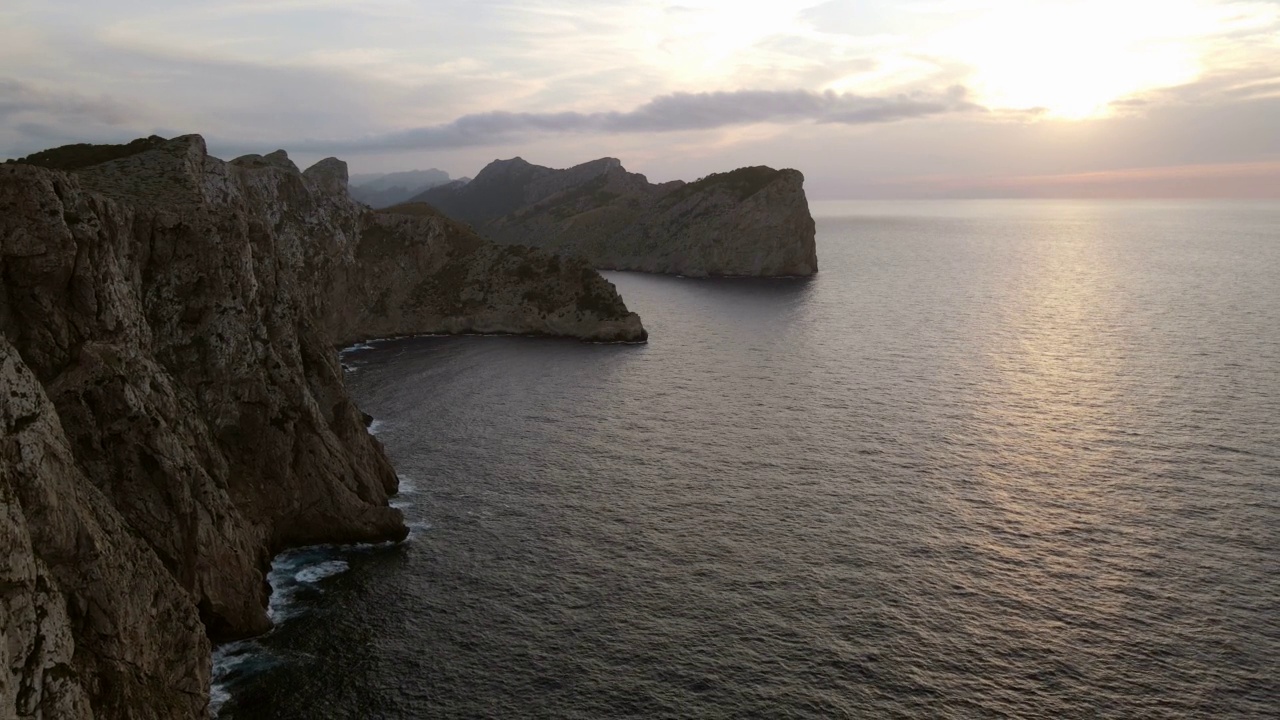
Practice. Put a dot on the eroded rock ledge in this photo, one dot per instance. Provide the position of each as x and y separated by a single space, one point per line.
172 410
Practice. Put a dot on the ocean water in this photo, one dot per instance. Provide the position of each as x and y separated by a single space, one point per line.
998 459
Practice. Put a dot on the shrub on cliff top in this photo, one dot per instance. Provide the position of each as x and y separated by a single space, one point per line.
82 155
743 182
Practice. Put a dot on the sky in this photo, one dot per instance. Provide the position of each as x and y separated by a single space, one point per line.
869 98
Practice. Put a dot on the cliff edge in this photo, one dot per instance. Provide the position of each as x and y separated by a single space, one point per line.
172 409
753 221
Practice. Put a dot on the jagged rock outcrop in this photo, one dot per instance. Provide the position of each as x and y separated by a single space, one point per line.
753 221
173 410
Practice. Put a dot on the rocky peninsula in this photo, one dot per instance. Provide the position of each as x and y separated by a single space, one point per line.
753 221
172 409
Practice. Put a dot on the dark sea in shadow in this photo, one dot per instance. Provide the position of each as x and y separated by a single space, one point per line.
999 459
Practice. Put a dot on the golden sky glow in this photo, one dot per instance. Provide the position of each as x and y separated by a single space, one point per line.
1073 63
1074 59
877 90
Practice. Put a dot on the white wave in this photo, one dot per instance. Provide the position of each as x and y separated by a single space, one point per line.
316 573
281 607
229 657
219 694
375 427
292 572
230 662
417 529
220 684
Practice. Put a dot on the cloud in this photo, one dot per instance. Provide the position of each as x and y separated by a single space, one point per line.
32 117
850 91
19 98
667 113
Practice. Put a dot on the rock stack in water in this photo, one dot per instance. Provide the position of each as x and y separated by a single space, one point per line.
753 221
172 412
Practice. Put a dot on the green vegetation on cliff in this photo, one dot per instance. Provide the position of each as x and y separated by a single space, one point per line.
743 182
82 155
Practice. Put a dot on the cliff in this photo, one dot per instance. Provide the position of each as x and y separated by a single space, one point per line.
455 282
753 221
172 408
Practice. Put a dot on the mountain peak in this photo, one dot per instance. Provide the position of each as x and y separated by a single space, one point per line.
750 221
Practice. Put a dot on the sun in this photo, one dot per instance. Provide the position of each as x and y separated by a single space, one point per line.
1073 59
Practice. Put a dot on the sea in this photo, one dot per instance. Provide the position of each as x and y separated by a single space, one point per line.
998 459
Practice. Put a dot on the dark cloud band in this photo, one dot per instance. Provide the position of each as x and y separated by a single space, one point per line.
22 98
668 113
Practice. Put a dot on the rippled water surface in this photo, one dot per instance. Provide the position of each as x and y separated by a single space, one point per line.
996 460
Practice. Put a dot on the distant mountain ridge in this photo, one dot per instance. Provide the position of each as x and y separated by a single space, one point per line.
384 190
753 221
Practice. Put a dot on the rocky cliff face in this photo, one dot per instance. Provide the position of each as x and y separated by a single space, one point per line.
753 221
173 411
90 619
455 282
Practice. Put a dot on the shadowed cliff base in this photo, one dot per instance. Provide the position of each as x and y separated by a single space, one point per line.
173 409
753 221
